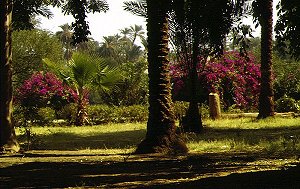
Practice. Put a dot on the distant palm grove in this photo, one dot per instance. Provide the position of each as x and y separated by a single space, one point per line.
160 74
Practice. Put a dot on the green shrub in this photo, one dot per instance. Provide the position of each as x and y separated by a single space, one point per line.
22 117
287 104
99 114
135 113
45 116
204 109
68 112
180 109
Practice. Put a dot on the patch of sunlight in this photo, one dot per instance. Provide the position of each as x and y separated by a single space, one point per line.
210 146
87 130
253 123
219 146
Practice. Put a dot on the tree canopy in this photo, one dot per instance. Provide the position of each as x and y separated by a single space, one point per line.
288 27
24 10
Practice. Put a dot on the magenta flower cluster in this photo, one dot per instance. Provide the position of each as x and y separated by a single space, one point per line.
235 78
45 89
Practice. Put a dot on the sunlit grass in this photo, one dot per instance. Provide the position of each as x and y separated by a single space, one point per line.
87 130
248 135
253 123
116 138
273 135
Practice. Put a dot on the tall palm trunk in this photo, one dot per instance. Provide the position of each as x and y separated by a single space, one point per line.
8 141
266 98
161 131
193 121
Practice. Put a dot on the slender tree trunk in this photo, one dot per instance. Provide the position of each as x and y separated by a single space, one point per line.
8 141
161 130
266 98
193 121
81 114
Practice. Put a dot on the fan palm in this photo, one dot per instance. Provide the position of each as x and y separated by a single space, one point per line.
84 72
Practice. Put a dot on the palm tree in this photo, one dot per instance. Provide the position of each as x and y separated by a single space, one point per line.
161 131
136 31
83 72
263 11
8 141
65 37
125 32
195 37
108 46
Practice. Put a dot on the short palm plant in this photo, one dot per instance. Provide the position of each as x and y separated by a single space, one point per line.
83 72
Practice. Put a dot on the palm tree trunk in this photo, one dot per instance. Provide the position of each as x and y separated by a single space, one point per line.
193 121
81 114
8 141
161 130
266 98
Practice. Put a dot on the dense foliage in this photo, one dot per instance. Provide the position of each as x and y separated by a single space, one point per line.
287 27
29 47
235 78
287 104
287 78
25 10
123 50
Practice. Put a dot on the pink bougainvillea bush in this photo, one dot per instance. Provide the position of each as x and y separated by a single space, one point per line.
235 78
44 90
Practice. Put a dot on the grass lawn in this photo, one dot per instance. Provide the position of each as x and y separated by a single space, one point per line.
230 153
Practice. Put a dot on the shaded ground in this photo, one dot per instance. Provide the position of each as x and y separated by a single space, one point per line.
232 157
53 169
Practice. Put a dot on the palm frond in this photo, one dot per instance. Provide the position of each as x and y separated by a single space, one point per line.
87 70
97 6
136 8
108 79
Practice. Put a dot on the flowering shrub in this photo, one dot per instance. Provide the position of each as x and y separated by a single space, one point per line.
233 77
44 90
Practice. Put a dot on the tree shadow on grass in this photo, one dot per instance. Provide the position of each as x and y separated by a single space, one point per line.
286 138
249 136
137 172
70 141
204 172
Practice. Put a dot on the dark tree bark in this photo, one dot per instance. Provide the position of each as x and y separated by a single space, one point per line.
161 134
192 121
266 98
8 141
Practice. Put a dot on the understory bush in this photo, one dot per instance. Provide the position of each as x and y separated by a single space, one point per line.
100 114
181 107
287 104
